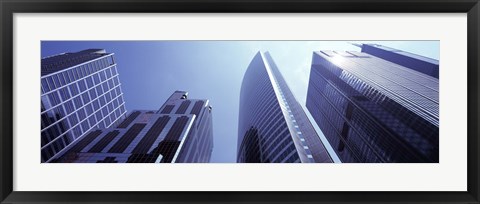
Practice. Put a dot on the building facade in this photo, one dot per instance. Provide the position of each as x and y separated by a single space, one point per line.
374 110
79 91
181 131
416 62
273 128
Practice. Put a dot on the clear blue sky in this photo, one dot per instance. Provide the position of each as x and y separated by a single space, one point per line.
151 70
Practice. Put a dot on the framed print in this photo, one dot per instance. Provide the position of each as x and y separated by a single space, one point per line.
256 102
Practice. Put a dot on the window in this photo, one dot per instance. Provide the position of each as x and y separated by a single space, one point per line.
115 103
73 119
86 69
85 126
59 112
70 75
76 74
115 80
107 121
92 120
92 67
61 79
66 77
96 78
86 98
81 114
105 111
65 94
96 105
99 90
120 101
110 84
54 98
105 87
104 62
102 100
109 74
89 81
78 70
74 89
45 86
113 93
118 113
89 68
102 76
108 97
99 115
93 93
77 131
50 83
81 84
89 109
110 107
68 106
112 117
78 102
56 80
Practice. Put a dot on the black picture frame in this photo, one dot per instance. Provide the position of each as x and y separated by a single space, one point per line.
10 7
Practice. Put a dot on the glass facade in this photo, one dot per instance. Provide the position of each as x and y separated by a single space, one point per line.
79 91
272 125
418 63
373 110
180 131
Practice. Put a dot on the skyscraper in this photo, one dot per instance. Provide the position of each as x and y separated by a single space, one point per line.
79 91
272 125
180 131
374 110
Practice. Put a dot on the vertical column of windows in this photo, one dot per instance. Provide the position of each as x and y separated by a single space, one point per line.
102 143
64 93
170 144
44 85
197 108
147 141
129 119
108 73
183 107
127 138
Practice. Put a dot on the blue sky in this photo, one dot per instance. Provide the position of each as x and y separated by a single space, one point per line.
151 70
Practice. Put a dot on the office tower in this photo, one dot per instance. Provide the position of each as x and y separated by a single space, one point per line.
179 132
79 91
272 125
374 110
416 62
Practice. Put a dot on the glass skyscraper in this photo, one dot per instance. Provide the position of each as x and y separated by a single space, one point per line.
375 109
180 131
79 91
273 128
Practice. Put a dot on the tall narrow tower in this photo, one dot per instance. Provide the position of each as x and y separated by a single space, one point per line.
272 125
